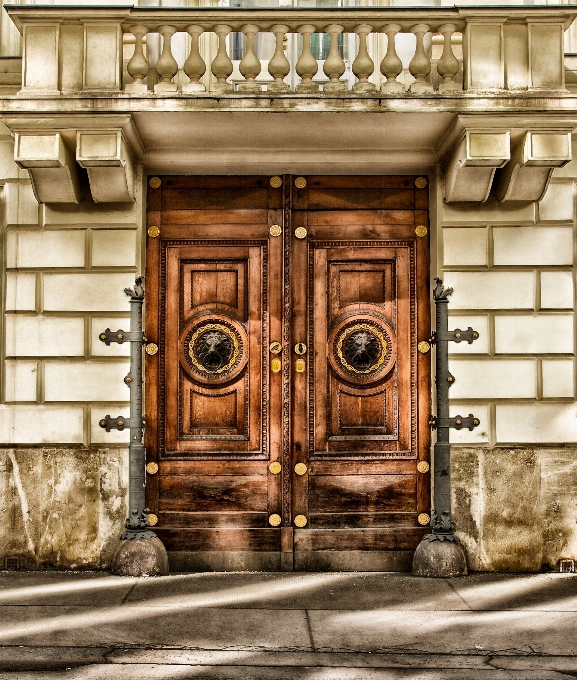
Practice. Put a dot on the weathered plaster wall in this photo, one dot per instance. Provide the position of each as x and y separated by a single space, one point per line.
516 508
62 508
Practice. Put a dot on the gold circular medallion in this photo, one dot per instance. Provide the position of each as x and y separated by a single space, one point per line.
275 347
274 520
275 468
423 347
300 521
421 231
300 182
423 466
153 232
423 519
300 232
275 230
275 182
380 342
151 349
152 519
154 182
205 358
300 469
421 182
152 468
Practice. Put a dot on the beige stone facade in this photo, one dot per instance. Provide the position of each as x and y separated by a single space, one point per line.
85 139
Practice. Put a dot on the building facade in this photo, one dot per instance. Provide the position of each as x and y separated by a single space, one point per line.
289 181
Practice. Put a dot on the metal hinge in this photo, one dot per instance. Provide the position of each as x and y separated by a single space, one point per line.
457 335
120 336
458 422
119 423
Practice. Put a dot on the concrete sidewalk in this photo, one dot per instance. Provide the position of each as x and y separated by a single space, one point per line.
89 625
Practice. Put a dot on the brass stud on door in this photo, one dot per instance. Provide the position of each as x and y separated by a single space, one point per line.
300 365
274 520
300 232
421 231
300 348
152 468
423 519
275 347
151 349
300 521
152 519
423 347
275 365
154 182
300 469
153 232
275 468
275 230
421 182
423 466
276 182
300 182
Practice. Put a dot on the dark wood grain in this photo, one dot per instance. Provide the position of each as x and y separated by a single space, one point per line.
358 539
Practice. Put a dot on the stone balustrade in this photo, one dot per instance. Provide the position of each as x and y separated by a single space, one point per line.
82 50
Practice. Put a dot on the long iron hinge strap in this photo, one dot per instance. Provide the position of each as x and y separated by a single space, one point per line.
458 422
120 336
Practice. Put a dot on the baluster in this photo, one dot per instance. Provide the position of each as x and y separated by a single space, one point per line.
250 64
307 65
194 66
221 65
448 64
420 65
334 65
279 66
363 65
138 66
391 66
166 66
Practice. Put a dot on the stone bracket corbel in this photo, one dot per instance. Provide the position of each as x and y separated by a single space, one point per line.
108 161
51 166
470 169
526 176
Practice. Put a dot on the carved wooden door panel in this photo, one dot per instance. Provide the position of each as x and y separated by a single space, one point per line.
361 405
213 302
287 406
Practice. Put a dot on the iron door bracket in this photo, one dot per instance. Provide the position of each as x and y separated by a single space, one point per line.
458 422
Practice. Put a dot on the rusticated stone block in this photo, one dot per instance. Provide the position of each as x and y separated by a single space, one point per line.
511 535
64 508
559 504
466 501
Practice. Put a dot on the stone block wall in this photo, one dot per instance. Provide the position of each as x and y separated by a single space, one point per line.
512 270
66 268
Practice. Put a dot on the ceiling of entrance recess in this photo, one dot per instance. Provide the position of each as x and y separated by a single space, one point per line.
314 143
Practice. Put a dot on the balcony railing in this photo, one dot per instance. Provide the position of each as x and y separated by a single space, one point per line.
398 52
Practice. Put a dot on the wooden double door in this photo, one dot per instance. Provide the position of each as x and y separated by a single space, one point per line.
287 406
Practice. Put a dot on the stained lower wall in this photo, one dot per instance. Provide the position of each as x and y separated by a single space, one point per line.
62 507
516 508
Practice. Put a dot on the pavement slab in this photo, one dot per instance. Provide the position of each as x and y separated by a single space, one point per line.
276 626
170 672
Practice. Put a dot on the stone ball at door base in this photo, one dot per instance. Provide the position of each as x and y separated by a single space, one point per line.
140 557
439 559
